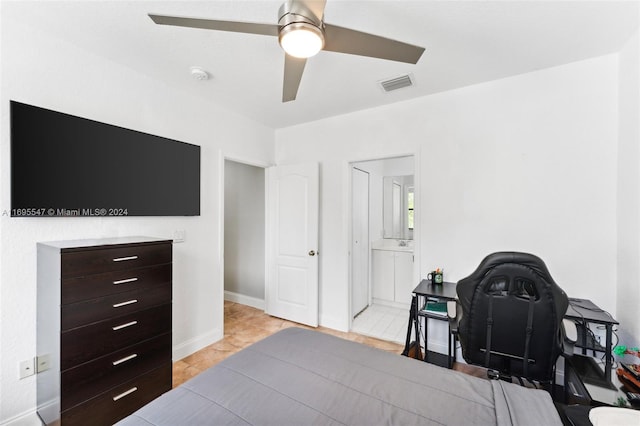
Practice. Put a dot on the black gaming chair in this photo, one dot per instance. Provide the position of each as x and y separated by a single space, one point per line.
512 311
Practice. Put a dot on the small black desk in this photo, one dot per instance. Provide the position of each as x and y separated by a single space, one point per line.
442 292
586 384
583 312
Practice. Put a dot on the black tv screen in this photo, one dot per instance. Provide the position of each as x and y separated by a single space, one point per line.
63 165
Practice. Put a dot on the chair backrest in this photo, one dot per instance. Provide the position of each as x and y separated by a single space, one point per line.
507 295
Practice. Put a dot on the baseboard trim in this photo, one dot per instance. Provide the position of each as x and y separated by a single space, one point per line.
254 302
333 323
27 418
437 346
191 346
391 304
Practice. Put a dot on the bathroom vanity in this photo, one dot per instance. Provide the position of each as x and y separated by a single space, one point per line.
392 271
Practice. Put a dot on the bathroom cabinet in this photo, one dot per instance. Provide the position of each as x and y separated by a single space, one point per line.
392 275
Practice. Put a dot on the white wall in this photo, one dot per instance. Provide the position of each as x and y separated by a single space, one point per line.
628 233
244 233
524 163
39 70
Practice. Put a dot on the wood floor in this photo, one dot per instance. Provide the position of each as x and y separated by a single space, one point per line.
244 325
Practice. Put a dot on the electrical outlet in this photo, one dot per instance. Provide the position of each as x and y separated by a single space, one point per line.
43 363
27 368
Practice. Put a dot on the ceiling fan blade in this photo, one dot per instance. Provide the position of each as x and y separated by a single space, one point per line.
293 69
304 7
210 24
345 40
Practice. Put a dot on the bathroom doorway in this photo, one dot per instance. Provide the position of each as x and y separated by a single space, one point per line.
382 266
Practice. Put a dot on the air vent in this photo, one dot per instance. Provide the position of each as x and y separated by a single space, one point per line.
396 83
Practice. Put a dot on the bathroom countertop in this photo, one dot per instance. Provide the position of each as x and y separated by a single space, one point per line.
392 245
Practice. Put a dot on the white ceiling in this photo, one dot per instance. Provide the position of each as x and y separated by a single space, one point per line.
467 42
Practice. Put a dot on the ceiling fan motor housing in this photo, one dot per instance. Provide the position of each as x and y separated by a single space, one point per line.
292 11
295 18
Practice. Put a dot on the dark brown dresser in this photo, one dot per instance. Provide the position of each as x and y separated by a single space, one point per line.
103 328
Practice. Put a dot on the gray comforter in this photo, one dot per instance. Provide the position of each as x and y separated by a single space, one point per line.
303 377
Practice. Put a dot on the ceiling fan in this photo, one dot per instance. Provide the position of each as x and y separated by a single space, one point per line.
302 33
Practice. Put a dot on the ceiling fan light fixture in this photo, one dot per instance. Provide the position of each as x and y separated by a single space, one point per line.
301 39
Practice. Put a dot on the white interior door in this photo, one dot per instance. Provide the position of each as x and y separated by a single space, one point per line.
292 243
359 240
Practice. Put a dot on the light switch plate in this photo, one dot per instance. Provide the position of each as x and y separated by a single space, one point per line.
43 363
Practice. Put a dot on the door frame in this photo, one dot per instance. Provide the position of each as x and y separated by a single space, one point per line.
368 284
222 157
417 226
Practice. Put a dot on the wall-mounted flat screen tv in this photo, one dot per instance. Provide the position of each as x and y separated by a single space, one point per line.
63 165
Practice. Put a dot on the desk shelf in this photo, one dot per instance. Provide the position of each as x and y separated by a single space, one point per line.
434 316
591 343
584 312
436 358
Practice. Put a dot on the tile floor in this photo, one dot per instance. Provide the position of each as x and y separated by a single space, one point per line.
245 325
383 322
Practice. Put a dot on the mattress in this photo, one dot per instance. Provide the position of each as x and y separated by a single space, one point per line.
304 377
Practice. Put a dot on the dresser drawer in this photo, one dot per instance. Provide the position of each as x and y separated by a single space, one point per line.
92 286
93 378
117 258
117 403
83 344
94 310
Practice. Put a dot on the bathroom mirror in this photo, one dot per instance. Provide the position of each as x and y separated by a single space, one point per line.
397 202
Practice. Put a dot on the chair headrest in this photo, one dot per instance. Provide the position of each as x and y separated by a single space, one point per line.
467 286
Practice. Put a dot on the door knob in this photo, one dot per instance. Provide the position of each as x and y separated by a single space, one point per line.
312 253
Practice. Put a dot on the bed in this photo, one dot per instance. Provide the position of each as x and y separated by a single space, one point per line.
303 377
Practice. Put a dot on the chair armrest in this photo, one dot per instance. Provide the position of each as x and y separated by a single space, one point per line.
570 330
452 309
569 336
453 314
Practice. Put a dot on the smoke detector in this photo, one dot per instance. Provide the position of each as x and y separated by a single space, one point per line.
396 83
199 74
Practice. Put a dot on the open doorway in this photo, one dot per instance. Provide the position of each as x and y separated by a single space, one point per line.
244 234
382 267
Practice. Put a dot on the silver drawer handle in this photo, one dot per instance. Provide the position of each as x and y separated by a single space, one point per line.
120 327
125 359
128 280
120 259
128 302
123 394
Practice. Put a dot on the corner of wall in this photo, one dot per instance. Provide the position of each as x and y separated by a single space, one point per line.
193 345
628 192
